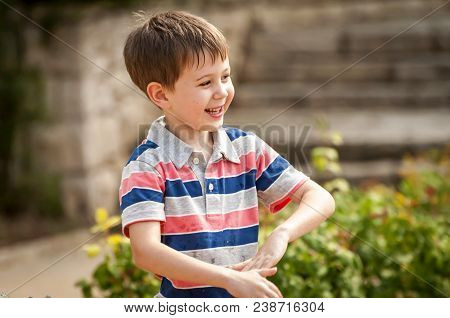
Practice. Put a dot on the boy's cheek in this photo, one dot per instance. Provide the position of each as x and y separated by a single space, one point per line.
230 96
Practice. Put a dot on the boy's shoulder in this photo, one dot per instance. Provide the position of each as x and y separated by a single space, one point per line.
147 152
236 133
246 139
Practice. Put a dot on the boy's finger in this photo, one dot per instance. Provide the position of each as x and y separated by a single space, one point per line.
260 263
251 266
240 266
275 289
264 272
248 267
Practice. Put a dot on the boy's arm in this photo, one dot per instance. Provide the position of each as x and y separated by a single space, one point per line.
315 206
153 256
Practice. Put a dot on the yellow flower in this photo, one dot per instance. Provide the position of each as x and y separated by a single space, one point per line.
92 250
326 152
114 240
320 163
401 200
103 221
101 215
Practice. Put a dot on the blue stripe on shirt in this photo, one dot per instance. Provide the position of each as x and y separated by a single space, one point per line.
141 149
204 240
226 185
272 173
178 188
140 195
167 290
234 133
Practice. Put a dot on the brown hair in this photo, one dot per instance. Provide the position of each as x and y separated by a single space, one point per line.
160 49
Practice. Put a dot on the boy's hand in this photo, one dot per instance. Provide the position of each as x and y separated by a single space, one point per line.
269 255
253 284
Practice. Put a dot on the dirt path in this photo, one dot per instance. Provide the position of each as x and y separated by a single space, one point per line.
21 261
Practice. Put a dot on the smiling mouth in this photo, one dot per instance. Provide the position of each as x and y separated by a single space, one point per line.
214 111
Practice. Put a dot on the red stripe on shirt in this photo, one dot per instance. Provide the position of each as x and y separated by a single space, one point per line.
263 161
169 171
281 203
144 179
210 222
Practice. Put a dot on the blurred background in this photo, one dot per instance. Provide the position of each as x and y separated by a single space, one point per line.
70 117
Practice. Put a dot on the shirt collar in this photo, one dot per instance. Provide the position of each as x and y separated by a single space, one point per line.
179 152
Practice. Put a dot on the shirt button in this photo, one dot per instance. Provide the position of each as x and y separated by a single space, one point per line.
210 187
195 161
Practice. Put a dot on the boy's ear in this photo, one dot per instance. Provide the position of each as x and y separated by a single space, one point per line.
157 95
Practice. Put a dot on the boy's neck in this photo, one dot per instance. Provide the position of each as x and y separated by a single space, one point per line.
199 140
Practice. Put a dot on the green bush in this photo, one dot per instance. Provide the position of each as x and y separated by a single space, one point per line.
380 242
116 276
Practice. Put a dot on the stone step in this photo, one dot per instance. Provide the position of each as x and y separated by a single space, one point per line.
300 57
431 35
315 13
434 68
364 152
359 95
360 162
365 131
375 140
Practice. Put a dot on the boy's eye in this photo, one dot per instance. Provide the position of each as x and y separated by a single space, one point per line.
208 82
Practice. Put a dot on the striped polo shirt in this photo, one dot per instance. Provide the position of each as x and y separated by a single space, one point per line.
208 211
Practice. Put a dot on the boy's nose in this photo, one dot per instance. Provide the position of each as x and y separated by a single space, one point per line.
221 91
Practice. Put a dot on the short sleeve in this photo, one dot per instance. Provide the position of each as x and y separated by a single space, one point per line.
141 194
276 178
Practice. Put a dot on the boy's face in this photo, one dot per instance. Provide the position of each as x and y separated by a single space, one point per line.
199 88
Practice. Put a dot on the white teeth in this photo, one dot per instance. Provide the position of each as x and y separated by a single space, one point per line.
214 111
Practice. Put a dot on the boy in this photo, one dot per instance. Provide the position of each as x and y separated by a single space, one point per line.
189 193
